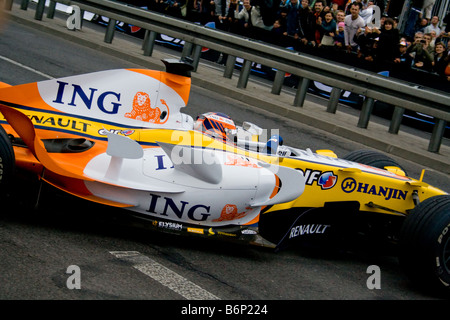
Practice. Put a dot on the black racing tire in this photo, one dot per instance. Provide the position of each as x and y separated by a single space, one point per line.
424 245
7 159
373 158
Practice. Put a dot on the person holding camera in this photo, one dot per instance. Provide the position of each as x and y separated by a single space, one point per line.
421 57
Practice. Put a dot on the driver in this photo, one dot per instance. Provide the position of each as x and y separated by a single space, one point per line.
220 126
216 125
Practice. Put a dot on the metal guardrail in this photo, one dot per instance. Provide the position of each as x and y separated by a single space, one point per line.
308 68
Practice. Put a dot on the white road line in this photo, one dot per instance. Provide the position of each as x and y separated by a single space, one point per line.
26 67
165 276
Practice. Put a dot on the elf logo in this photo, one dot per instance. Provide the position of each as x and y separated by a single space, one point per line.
326 180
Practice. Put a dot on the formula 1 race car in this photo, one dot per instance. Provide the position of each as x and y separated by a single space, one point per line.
118 138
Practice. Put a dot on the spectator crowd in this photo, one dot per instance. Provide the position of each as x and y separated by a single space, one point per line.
332 26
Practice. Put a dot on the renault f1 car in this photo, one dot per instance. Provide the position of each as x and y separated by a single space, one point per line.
118 138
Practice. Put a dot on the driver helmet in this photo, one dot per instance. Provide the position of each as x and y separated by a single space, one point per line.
216 125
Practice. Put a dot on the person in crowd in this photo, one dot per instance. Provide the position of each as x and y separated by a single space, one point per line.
219 12
402 59
421 24
418 36
251 17
319 16
367 43
232 22
276 34
292 18
439 61
340 4
429 43
243 16
433 26
349 4
173 7
283 3
339 16
396 21
388 41
328 30
305 23
434 38
192 11
421 58
353 23
445 34
282 18
157 5
334 8
446 75
278 29
366 11
446 21
339 40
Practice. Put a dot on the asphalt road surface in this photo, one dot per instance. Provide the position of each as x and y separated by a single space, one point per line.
71 249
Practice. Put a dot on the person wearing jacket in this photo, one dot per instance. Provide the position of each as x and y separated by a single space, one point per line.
388 39
328 29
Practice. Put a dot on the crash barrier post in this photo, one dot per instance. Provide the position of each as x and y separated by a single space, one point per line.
149 42
396 120
278 82
51 9
366 111
436 136
24 4
229 66
196 54
391 91
187 50
192 51
109 35
333 100
8 5
302 90
39 10
245 74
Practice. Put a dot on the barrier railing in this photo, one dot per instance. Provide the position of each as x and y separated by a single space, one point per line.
401 94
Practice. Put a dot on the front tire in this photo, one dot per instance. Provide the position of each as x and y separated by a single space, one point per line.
373 158
425 244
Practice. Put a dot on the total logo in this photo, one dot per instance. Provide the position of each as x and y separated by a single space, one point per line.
326 180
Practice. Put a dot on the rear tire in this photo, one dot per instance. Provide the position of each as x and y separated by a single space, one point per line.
7 159
425 244
373 158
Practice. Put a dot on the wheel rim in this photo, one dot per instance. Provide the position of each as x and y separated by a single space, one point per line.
446 255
